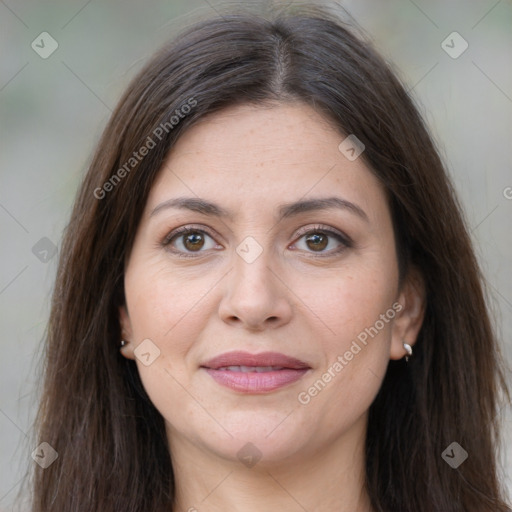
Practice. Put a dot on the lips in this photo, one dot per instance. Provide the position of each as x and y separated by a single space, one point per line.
255 373
262 360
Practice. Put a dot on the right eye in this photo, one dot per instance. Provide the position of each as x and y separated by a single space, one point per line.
186 241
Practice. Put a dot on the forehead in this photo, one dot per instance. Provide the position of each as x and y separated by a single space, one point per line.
252 157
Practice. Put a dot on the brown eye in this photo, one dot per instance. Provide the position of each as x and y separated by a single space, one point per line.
317 241
193 241
190 241
186 241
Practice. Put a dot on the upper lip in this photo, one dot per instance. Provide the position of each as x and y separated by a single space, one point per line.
239 358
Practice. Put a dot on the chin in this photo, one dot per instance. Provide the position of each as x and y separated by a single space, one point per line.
257 439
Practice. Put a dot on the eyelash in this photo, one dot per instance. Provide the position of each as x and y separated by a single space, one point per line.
319 228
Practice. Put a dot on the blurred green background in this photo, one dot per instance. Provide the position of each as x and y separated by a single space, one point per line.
53 109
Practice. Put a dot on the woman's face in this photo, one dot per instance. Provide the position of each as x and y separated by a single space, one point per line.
257 274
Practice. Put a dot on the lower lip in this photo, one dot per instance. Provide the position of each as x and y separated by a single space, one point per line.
253 382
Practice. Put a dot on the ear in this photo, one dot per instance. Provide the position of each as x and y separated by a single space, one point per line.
409 319
126 333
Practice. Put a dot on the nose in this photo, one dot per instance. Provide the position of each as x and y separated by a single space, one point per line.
255 295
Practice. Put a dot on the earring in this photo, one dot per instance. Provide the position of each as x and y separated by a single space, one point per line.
408 349
123 343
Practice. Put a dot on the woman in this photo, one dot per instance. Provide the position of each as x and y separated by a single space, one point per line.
267 297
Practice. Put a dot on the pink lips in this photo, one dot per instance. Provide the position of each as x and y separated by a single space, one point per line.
255 373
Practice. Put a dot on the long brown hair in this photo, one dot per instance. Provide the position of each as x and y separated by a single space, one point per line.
94 411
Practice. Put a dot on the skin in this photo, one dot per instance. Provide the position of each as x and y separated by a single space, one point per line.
250 159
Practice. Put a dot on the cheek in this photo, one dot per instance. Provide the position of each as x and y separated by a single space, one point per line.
161 299
352 300
165 308
358 311
171 308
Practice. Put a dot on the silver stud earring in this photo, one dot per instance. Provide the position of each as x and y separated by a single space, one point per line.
123 343
408 349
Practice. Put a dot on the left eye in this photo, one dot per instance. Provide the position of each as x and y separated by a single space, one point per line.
192 240
318 240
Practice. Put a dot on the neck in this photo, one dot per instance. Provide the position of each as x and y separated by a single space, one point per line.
330 479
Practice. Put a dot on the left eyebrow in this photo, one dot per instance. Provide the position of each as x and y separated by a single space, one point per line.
285 210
